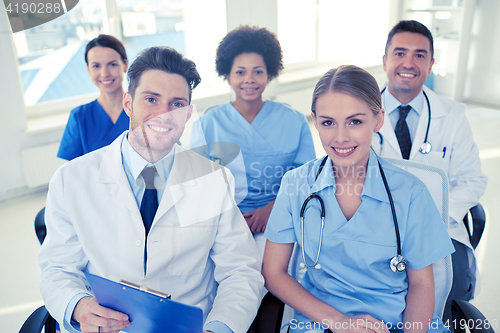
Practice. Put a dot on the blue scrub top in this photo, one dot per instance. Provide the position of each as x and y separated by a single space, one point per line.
355 277
277 140
90 128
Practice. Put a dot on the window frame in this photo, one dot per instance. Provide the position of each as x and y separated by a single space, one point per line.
295 74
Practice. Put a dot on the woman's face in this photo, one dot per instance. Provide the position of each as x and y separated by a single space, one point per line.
106 68
248 77
345 126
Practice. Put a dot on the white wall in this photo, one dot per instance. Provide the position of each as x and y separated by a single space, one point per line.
14 137
483 73
12 113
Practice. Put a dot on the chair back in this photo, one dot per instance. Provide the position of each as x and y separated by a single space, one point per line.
437 183
39 320
40 228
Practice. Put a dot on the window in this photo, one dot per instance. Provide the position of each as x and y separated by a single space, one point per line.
333 31
181 24
51 55
297 30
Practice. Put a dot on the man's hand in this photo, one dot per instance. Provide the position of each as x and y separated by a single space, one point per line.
257 219
91 316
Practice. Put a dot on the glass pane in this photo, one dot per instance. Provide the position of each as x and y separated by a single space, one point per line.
427 4
297 30
183 25
348 35
51 55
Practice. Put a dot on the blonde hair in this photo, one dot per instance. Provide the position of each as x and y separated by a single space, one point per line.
350 80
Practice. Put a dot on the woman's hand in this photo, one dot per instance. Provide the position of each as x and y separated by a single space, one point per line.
91 316
356 324
257 219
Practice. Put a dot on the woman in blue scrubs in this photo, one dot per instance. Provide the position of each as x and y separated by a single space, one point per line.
269 138
352 286
98 123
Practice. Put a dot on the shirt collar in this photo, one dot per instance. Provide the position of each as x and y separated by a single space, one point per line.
135 163
325 179
373 186
391 103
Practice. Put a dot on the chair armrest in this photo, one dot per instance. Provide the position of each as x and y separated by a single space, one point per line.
40 228
269 316
478 222
39 319
467 316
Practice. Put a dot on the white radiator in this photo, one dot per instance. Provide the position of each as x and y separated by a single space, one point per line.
40 163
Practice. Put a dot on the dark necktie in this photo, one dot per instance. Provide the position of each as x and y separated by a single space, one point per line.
402 132
149 203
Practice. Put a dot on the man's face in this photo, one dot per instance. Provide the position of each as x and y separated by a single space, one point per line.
158 113
408 62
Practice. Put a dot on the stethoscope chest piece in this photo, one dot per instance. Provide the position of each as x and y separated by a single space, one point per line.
425 147
398 264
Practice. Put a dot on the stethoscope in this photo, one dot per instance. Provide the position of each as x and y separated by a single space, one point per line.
397 264
425 147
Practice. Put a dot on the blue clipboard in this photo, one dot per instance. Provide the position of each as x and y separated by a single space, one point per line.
149 311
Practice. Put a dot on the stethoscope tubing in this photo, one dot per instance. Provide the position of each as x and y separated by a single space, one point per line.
426 131
302 212
398 259
393 209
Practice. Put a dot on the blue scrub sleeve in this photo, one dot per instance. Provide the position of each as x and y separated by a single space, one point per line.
71 143
427 239
280 227
305 151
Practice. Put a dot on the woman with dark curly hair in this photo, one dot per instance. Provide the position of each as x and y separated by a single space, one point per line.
272 138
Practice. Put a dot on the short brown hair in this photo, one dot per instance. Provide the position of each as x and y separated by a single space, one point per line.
166 59
106 41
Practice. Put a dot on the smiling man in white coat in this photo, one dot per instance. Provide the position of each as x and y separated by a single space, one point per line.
147 211
408 60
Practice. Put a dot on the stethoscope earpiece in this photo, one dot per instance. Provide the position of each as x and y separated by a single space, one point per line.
303 265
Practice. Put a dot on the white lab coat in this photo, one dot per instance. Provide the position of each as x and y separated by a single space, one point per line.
453 151
200 249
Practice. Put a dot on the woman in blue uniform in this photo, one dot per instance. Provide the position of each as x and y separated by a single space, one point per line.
272 137
360 278
98 123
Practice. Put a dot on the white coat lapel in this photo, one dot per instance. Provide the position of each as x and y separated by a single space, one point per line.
389 136
181 175
437 107
437 111
420 133
111 172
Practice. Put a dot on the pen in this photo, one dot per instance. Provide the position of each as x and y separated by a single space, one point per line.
444 151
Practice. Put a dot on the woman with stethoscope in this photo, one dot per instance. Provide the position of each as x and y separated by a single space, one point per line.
368 231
